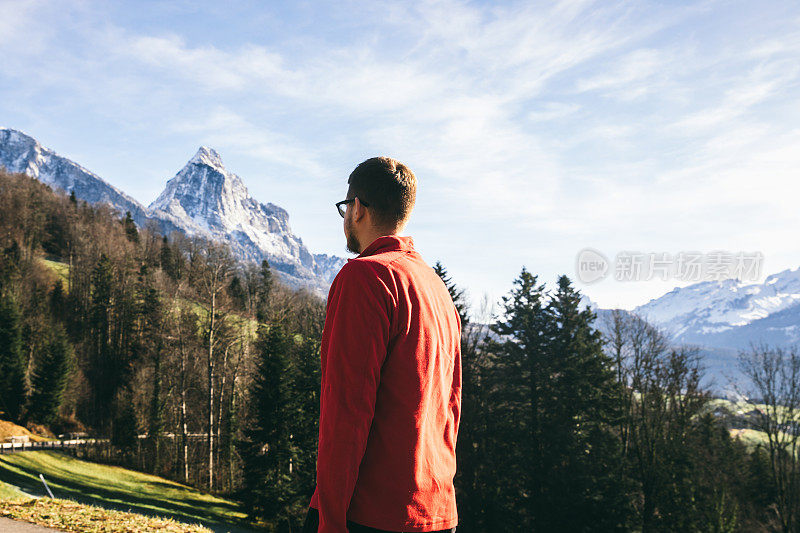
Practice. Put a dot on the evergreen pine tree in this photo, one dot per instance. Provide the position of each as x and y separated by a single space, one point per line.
12 359
152 344
166 259
130 228
56 238
471 482
263 290
236 293
101 369
519 395
50 378
458 295
267 450
305 415
584 492
58 301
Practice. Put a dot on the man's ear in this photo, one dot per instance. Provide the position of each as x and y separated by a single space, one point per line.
358 210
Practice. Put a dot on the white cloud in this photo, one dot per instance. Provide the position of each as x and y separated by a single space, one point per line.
631 76
552 110
206 65
764 80
15 19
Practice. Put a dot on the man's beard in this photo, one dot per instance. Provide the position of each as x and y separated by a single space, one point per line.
352 242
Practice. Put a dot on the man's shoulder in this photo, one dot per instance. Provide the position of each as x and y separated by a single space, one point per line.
359 267
364 272
389 269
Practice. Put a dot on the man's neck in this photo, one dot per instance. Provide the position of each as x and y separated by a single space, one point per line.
374 234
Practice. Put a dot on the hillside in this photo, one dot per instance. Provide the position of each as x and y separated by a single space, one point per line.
8 429
117 488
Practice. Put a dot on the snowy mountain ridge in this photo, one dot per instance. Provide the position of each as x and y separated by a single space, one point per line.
729 314
712 307
203 199
21 153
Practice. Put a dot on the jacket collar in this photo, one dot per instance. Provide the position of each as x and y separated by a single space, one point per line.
388 243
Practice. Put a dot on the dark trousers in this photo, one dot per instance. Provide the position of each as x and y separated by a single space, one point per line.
312 524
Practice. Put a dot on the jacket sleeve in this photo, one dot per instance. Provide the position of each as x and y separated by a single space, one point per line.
356 343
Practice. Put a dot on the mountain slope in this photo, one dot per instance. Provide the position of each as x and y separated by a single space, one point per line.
203 199
720 366
21 153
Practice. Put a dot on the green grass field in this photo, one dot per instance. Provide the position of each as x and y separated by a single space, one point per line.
60 269
117 488
7 492
750 437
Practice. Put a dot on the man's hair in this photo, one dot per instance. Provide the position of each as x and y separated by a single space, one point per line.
388 186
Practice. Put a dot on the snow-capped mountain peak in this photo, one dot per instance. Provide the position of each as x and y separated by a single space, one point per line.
787 281
207 156
205 195
725 318
205 198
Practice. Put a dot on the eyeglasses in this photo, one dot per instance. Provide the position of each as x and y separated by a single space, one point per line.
342 209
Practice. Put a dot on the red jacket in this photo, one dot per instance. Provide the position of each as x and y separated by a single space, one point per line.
390 400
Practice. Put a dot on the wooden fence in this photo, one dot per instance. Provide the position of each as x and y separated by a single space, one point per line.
13 447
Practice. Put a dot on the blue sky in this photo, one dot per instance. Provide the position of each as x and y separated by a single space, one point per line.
536 129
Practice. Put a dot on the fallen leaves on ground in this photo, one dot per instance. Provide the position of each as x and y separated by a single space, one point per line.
68 515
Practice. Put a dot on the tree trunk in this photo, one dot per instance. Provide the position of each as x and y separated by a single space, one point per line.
221 402
183 431
211 395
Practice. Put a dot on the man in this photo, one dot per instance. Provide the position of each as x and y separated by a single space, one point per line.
390 399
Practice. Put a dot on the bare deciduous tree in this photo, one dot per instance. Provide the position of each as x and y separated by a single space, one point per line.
774 395
213 267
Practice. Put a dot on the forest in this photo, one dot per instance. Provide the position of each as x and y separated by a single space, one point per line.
204 369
